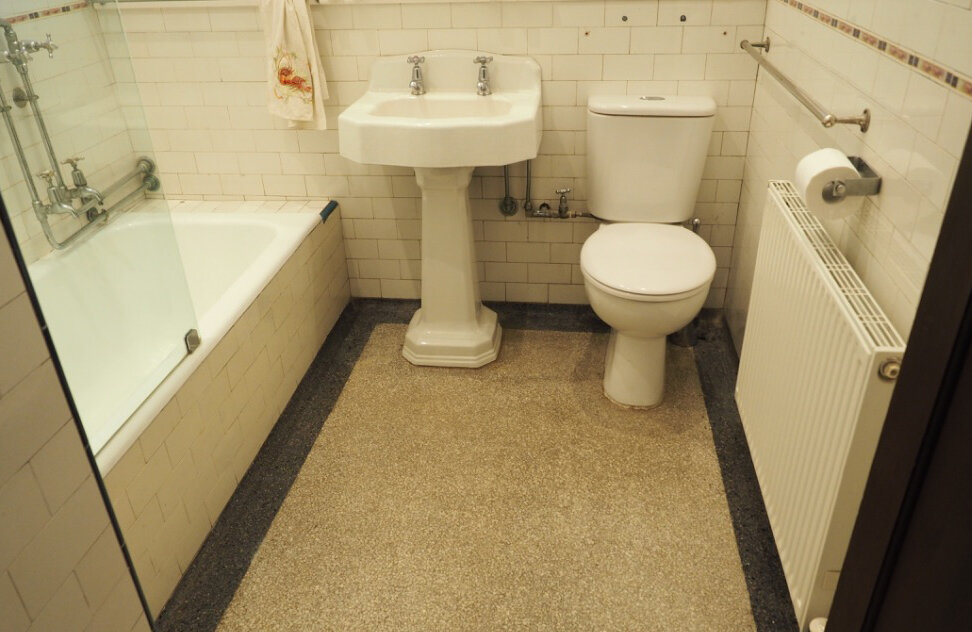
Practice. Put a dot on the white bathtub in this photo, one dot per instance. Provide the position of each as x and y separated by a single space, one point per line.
117 328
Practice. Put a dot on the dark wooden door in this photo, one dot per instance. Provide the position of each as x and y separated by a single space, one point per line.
909 564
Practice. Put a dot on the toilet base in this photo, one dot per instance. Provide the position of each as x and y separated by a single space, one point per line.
634 370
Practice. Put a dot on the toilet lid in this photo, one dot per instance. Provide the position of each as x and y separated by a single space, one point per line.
648 259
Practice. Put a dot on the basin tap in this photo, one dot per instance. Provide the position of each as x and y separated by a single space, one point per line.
482 86
417 84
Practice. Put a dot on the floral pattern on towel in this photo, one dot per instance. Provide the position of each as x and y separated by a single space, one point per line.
293 77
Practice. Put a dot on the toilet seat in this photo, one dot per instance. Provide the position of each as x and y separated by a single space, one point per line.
647 262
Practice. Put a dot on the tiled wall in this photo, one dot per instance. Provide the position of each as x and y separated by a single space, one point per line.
919 128
62 565
171 485
201 76
88 111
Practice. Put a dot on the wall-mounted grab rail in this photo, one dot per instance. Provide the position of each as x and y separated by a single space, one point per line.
827 119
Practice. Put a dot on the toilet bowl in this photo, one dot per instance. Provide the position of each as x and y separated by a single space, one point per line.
645 281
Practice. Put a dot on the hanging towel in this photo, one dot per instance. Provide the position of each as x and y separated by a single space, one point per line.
296 87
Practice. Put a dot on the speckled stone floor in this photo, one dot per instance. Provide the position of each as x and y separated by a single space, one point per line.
511 497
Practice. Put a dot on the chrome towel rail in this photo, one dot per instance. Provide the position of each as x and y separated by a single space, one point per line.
827 119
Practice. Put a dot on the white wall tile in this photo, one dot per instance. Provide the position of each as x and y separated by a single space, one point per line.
581 13
527 14
604 40
631 13
680 67
656 39
696 12
477 15
21 346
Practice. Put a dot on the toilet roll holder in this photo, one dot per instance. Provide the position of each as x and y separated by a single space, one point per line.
869 183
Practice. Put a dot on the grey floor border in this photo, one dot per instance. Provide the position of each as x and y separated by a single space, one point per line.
717 364
210 582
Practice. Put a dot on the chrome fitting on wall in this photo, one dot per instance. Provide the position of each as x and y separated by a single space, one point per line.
869 183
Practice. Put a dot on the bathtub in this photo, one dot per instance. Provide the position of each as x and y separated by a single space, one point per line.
116 307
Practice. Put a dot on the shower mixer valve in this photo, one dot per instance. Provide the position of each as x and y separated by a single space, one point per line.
18 51
32 46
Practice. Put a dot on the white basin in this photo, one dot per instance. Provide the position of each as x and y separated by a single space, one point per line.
443 134
450 125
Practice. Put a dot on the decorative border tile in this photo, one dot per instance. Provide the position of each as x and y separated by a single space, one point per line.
929 68
35 15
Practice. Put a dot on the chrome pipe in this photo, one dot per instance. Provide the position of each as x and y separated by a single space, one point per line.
98 219
9 33
144 167
827 119
19 150
41 125
528 202
508 204
149 183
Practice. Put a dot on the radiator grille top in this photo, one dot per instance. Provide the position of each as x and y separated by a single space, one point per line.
856 297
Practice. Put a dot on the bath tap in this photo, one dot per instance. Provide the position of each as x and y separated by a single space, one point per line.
89 196
417 84
482 86
58 195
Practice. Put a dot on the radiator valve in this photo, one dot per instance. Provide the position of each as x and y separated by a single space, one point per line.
890 369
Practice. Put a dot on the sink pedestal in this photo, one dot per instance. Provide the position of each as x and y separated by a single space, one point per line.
452 328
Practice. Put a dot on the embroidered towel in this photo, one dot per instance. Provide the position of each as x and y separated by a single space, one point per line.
296 87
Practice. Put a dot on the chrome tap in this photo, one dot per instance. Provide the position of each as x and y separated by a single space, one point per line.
32 46
59 199
562 209
89 196
18 50
482 86
417 84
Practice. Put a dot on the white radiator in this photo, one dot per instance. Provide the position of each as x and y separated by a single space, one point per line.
810 393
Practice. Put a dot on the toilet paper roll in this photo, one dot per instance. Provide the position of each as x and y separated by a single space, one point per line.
815 172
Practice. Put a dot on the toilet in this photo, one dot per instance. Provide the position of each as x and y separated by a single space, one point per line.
645 275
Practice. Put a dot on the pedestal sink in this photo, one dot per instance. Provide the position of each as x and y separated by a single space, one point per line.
444 134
